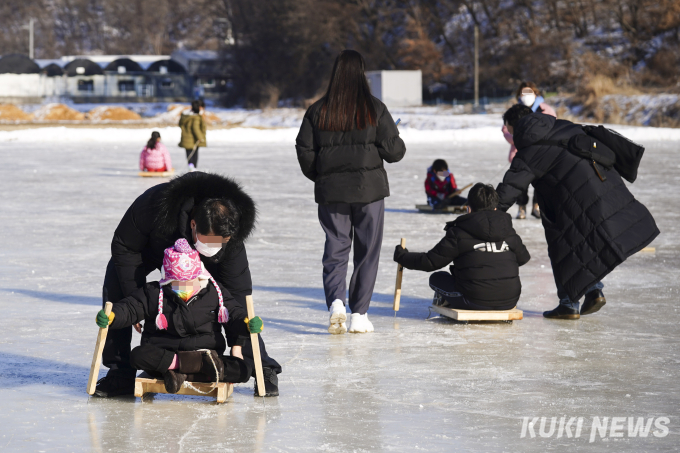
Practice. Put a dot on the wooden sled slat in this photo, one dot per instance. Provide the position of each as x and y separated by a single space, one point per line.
156 174
146 384
446 210
473 315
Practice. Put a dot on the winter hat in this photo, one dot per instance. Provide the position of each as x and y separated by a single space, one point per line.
181 262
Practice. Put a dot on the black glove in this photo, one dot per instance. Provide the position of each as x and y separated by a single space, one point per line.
399 253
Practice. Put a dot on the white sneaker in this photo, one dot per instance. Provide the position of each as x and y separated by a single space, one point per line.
338 318
360 324
191 167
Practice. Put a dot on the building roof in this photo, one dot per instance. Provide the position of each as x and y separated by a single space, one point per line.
172 66
128 64
18 64
52 70
89 68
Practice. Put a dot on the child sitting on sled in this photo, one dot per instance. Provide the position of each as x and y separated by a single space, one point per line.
440 185
155 156
183 316
486 253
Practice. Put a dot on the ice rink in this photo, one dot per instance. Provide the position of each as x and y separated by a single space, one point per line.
416 384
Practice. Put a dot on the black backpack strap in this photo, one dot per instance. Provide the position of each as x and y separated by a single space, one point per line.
560 143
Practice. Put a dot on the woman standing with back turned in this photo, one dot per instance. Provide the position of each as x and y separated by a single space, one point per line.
341 146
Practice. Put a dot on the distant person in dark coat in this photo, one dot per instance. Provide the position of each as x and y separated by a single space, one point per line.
344 139
215 216
486 253
591 225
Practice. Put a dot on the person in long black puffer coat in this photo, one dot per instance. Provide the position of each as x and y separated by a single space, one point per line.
194 206
486 253
591 225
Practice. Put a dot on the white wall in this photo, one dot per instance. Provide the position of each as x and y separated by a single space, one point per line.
21 85
397 88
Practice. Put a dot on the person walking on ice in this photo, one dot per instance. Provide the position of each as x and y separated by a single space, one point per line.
592 222
486 253
194 132
183 315
344 139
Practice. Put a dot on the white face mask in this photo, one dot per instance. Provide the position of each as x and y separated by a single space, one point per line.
207 250
528 99
442 175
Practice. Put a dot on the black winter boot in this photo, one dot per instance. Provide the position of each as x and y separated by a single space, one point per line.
115 385
193 362
173 381
271 383
562 312
593 302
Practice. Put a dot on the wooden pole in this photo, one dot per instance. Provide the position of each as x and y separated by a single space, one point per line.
476 75
98 348
459 191
256 349
397 285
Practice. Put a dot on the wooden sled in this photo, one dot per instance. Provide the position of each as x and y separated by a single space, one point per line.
157 174
446 210
474 315
146 384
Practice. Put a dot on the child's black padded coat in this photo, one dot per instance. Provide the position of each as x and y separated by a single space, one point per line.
347 167
486 253
192 325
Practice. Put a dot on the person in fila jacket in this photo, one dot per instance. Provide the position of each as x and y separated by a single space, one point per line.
486 253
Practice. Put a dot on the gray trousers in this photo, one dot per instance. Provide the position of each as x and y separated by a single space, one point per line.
343 223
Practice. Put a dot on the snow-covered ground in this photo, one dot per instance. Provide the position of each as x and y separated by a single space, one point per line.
416 384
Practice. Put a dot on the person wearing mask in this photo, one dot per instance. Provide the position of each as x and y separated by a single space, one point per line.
344 140
215 216
529 95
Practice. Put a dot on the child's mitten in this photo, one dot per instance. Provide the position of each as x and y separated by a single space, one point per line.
255 325
103 320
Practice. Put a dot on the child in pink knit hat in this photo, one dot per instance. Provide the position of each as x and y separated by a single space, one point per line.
184 314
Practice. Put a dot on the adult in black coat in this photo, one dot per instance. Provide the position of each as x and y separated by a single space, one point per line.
343 142
155 220
591 225
486 253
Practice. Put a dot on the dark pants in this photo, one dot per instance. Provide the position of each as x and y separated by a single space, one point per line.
194 158
344 223
116 354
564 297
156 361
436 203
444 284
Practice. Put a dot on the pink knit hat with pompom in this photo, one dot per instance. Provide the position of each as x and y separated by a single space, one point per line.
182 263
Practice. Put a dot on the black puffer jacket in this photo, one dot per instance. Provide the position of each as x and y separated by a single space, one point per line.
161 215
591 226
192 325
486 253
347 167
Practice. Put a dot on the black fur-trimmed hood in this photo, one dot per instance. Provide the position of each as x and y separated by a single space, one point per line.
190 189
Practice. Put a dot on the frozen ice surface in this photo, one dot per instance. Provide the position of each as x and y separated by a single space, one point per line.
413 385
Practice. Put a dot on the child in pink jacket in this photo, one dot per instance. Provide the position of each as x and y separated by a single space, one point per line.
155 156
527 94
